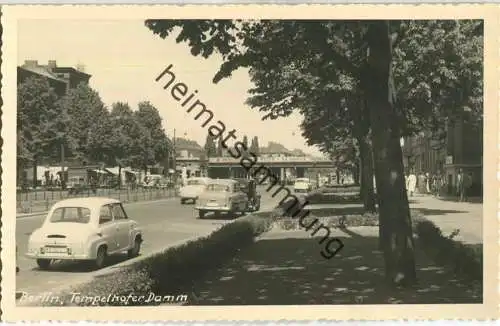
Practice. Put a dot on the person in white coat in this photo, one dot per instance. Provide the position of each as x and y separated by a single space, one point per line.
412 183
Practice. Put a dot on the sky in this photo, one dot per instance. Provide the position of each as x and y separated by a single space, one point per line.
124 58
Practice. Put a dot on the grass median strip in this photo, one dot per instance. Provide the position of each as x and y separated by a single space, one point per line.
168 273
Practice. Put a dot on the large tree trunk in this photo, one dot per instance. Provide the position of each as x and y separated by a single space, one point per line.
35 174
366 159
395 221
356 173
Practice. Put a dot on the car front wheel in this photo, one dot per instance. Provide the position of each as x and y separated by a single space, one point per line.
134 252
43 263
201 214
101 257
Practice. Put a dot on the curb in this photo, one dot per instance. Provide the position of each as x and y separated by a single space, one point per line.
23 215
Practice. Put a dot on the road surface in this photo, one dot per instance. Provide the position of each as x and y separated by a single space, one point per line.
164 223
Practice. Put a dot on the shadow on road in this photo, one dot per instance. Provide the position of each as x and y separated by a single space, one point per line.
82 266
291 271
429 211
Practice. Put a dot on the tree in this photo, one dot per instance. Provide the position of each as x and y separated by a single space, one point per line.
41 123
153 140
220 148
125 133
360 50
254 146
210 148
85 107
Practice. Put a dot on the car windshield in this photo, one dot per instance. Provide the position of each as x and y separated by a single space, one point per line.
194 183
302 180
71 214
218 187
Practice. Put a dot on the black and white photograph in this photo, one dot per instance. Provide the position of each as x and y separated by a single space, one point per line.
178 163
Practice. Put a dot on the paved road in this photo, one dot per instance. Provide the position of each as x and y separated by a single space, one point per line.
164 222
451 215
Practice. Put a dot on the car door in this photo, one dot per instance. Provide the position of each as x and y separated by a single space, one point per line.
122 226
108 228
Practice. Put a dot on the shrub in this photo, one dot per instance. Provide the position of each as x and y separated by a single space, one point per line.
339 189
316 197
173 270
464 259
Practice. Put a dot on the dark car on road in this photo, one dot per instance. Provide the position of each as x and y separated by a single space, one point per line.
249 187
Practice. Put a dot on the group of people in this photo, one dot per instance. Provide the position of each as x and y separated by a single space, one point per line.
436 183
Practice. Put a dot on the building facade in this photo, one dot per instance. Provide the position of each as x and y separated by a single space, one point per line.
61 79
460 147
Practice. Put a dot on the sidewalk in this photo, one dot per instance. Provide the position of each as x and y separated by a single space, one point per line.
447 215
286 267
450 215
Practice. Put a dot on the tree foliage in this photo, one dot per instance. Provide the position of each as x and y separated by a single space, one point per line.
90 133
85 107
41 122
210 147
254 146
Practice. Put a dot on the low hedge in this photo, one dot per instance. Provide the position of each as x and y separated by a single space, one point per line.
338 188
284 209
367 219
172 271
464 259
331 198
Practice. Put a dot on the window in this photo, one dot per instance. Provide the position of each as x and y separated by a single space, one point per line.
71 214
105 214
118 212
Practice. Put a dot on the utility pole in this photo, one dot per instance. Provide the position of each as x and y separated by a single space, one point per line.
63 180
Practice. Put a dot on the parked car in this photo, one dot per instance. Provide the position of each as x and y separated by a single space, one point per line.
193 188
249 187
302 185
222 196
87 229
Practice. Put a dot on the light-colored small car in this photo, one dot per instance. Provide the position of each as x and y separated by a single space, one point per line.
84 229
302 185
193 188
222 195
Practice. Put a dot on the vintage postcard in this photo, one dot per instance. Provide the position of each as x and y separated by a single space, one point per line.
250 162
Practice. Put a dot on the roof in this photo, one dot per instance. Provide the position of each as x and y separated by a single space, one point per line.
86 202
40 70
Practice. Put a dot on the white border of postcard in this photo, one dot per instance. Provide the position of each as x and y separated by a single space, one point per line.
489 309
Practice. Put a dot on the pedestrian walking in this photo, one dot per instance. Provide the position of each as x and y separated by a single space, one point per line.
412 183
427 183
421 183
460 185
436 184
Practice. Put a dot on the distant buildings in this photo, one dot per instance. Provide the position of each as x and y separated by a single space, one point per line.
460 147
61 79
